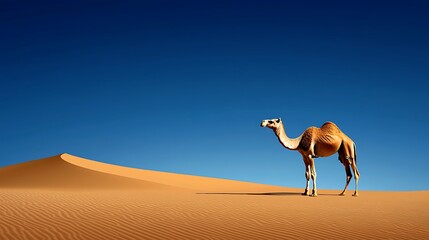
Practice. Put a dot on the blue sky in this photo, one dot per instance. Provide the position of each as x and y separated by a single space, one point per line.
181 86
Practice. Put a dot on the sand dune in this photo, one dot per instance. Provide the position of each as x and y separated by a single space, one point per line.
66 171
66 197
56 173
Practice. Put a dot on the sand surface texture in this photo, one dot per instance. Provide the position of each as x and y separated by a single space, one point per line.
67 197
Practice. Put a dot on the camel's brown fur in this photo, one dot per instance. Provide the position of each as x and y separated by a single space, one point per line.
319 142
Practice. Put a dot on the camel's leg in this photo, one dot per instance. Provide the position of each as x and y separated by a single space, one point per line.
357 175
307 177
346 164
348 177
313 175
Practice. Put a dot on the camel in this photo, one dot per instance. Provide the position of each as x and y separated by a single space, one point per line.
319 142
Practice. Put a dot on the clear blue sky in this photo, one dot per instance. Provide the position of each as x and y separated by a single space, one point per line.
182 86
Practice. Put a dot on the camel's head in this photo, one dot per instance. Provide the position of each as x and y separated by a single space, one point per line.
271 123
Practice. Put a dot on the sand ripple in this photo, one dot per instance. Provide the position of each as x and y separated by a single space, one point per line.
31 214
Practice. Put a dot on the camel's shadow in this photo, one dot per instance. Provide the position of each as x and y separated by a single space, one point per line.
266 193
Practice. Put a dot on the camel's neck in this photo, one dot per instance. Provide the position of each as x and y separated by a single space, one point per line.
288 143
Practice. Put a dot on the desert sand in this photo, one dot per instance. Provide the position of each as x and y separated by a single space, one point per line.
67 197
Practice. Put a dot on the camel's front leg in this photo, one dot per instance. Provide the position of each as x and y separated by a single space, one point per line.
313 175
307 177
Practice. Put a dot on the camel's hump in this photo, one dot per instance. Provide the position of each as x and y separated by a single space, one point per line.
330 127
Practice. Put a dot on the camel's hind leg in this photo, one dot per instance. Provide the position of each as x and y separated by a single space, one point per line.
357 175
347 154
348 172
345 162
